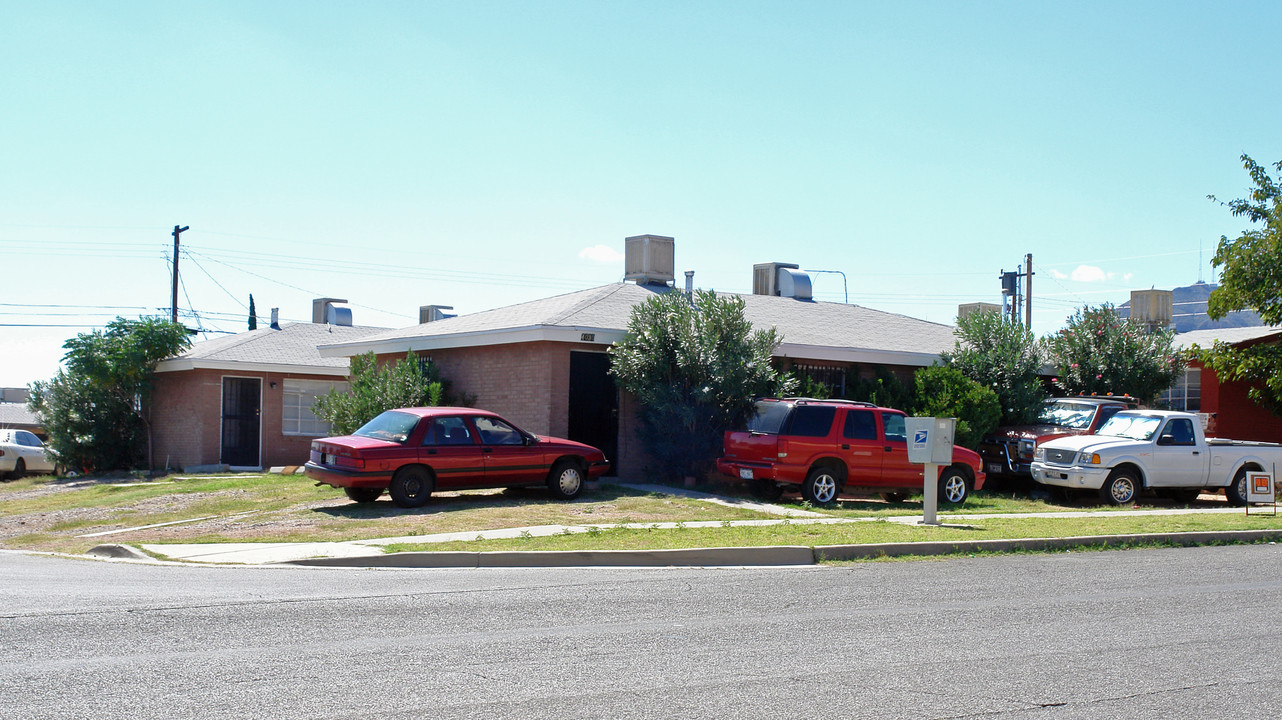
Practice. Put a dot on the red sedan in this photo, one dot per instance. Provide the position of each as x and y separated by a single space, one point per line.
411 452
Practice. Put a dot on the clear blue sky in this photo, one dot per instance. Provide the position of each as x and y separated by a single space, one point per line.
474 154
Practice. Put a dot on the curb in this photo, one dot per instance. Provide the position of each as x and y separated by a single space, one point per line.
691 557
114 551
1187 539
771 556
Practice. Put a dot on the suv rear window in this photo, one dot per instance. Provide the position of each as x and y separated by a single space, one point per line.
768 417
812 421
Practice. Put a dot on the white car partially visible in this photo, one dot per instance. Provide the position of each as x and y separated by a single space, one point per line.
22 453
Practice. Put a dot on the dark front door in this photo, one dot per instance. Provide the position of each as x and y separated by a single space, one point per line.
594 404
240 421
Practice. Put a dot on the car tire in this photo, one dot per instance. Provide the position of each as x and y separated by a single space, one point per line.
20 470
894 497
821 486
411 487
565 482
953 489
362 495
768 490
1121 488
1235 493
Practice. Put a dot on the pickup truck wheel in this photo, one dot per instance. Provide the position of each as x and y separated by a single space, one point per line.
952 486
894 497
411 487
1236 491
1121 488
767 490
820 487
566 480
362 495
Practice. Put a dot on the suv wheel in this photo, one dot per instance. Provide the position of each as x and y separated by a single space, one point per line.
820 487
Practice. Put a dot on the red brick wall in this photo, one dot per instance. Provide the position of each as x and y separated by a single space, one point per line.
186 416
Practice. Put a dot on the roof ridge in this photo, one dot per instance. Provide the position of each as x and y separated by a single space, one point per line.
587 302
241 341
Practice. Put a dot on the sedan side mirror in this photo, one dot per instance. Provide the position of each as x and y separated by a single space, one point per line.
531 439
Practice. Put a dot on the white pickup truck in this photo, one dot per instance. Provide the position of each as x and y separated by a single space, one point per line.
1153 449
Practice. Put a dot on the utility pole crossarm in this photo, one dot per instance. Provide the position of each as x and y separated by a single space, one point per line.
174 305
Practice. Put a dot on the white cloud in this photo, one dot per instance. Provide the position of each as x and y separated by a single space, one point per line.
1058 275
1089 273
601 254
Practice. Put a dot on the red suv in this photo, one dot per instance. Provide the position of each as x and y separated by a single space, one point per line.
412 451
825 447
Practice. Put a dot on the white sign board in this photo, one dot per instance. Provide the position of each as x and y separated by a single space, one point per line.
1259 487
930 440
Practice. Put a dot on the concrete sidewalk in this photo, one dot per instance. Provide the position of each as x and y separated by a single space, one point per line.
370 553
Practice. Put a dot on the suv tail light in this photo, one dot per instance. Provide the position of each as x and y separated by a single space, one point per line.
782 448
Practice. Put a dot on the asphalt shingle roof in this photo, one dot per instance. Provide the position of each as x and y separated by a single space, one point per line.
609 307
1232 336
14 414
294 344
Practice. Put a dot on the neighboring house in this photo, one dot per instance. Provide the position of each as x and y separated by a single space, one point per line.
17 416
1233 414
544 364
245 400
1188 311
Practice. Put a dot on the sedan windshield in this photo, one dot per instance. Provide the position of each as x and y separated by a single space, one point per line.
391 426
1067 414
1135 427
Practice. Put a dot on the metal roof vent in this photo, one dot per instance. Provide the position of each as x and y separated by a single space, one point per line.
968 309
320 310
432 313
781 279
335 315
649 259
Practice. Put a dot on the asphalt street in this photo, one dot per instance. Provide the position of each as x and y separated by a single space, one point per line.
1181 632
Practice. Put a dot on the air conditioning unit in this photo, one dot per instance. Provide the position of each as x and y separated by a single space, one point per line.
782 279
649 259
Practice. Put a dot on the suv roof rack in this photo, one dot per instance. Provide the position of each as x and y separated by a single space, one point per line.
841 401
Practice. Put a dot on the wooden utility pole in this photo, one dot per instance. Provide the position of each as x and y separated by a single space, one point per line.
1028 291
174 306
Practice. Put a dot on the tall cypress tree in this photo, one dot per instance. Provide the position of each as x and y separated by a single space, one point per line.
253 316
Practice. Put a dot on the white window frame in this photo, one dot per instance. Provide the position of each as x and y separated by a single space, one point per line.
298 397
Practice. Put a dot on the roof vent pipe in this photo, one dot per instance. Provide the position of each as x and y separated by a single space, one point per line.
689 283
275 318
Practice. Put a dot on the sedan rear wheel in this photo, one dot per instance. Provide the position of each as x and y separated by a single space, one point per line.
411 487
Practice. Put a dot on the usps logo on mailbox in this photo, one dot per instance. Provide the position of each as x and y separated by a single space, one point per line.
920 437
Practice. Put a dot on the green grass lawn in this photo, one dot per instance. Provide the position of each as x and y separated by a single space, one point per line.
52 514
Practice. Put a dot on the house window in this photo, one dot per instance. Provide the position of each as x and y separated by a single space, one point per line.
297 401
1186 393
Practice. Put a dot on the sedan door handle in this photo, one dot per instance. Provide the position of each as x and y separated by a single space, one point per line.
889 448
845 447
487 450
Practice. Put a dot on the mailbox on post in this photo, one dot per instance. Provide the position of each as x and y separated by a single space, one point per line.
930 442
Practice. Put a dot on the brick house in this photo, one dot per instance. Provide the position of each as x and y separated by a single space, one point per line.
544 364
1233 414
245 400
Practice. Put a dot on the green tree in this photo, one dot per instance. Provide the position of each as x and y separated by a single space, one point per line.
96 408
1251 279
253 315
695 366
372 390
1100 353
945 392
1004 357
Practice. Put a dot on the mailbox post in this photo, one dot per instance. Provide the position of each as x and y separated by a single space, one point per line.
930 443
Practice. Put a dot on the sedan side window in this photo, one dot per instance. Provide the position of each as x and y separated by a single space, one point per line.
448 431
496 432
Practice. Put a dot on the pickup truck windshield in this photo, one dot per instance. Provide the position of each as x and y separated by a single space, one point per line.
1135 427
768 417
391 426
1067 414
